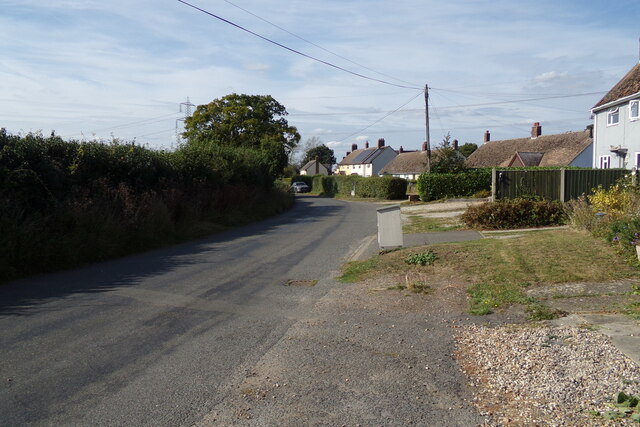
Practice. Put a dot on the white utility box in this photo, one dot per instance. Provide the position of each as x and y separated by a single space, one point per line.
390 227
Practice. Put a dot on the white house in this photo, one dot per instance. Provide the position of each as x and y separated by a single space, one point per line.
367 161
617 125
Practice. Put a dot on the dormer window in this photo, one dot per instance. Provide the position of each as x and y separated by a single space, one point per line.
613 117
634 110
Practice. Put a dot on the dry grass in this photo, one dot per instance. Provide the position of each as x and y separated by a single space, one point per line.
555 256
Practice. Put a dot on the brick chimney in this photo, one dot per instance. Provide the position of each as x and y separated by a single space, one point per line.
536 130
354 147
487 136
455 144
381 143
317 165
424 146
366 144
401 149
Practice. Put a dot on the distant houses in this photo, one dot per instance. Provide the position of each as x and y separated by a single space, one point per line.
564 149
617 124
368 161
407 164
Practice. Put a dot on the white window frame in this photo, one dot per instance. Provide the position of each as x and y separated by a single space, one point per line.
605 162
611 114
635 104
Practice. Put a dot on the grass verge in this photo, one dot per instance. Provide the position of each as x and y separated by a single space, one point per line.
419 224
496 270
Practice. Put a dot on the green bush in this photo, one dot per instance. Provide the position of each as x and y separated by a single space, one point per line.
515 213
66 203
435 186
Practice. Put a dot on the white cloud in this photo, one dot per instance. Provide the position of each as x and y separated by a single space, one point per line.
79 66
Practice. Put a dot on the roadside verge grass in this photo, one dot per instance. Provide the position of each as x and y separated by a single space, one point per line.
419 224
497 271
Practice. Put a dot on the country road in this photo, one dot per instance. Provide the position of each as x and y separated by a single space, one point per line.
207 333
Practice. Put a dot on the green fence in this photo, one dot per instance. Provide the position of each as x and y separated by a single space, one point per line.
559 184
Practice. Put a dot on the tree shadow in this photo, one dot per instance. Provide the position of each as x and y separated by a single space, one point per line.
25 296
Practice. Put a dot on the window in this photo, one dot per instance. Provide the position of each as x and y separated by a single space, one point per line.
634 110
637 165
613 117
605 162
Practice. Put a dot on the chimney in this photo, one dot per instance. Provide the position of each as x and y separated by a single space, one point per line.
354 147
424 146
348 152
366 144
401 149
381 143
590 129
317 165
455 144
536 130
487 136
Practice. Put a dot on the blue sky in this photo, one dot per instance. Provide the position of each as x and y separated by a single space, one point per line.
95 69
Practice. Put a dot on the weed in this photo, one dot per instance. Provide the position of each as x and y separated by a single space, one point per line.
626 407
424 258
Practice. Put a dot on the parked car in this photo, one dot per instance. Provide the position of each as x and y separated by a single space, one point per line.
300 187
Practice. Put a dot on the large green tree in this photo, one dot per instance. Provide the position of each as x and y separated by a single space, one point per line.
243 121
467 149
324 153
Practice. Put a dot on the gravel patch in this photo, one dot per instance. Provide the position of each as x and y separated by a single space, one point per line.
545 375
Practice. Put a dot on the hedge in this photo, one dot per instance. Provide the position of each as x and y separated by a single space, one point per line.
68 203
385 187
435 186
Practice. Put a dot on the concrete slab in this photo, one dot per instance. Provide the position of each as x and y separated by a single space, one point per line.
623 331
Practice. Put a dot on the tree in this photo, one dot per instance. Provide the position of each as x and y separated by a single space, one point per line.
446 159
242 121
324 153
467 149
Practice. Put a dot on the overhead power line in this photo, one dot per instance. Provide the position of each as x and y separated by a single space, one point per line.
382 118
314 44
448 107
293 50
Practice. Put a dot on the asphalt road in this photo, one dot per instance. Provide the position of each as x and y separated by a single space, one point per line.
159 338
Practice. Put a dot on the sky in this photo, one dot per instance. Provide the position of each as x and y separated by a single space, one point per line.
94 69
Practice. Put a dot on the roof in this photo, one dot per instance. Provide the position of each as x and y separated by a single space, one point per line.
407 163
527 158
629 85
363 156
559 150
312 163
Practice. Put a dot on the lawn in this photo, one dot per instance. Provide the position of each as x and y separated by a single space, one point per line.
497 271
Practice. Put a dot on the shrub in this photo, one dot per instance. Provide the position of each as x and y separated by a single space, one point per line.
515 213
435 186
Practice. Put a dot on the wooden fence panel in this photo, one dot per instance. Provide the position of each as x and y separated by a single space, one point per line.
555 184
517 183
583 181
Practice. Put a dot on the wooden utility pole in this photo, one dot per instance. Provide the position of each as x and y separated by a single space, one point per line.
428 140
